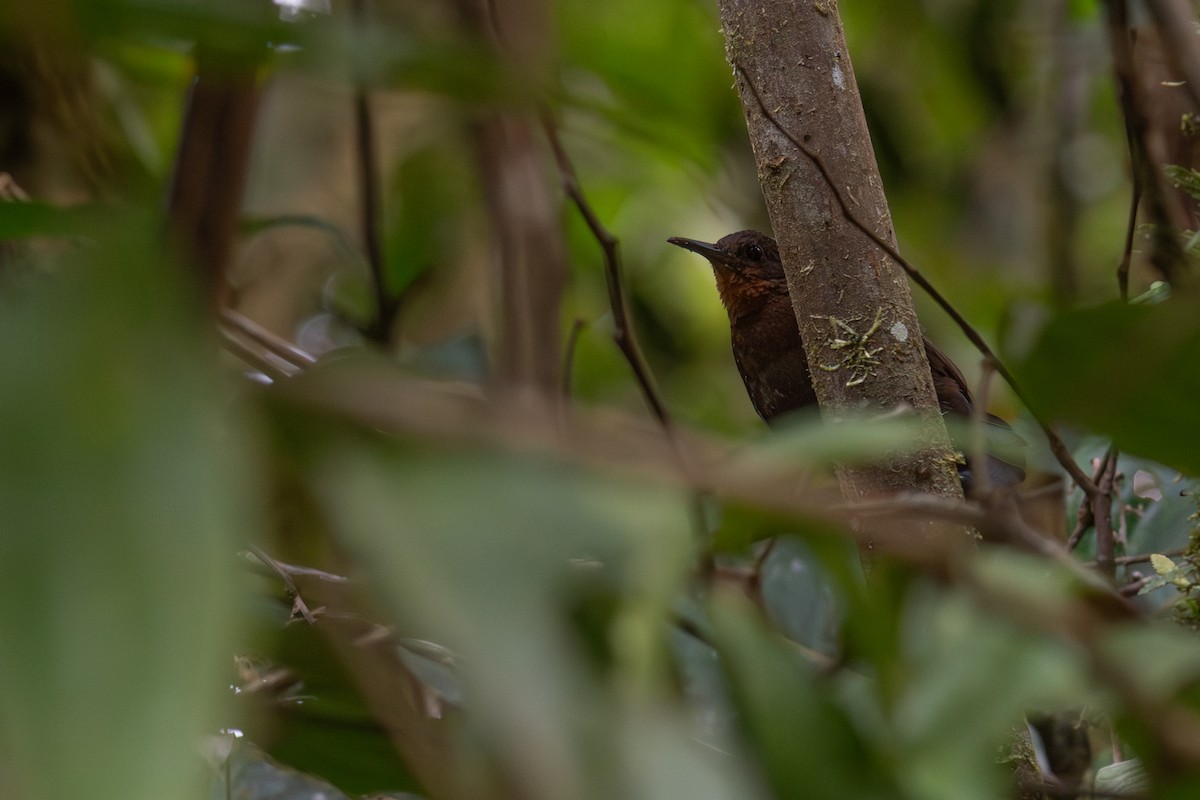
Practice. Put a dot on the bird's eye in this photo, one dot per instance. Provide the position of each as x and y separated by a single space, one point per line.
754 253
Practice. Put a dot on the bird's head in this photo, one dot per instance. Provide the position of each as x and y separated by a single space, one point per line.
747 268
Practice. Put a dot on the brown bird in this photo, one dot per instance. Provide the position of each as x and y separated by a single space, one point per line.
770 355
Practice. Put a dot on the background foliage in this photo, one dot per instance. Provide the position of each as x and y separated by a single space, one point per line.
375 573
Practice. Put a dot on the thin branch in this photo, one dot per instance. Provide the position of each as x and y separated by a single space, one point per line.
569 360
368 186
1057 446
209 174
277 345
624 335
1124 561
1085 517
1083 523
622 320
1130 229
298 602
1102 513
257 356
1134 587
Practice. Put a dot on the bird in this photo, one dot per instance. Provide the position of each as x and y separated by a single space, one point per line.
770 355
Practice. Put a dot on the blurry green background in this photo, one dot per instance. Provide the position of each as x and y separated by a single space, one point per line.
546 634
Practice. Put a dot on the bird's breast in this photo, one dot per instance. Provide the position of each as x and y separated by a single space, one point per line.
771 359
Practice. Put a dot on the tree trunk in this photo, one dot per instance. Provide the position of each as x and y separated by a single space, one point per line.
852 302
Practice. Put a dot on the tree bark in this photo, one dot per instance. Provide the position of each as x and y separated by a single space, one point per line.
852 302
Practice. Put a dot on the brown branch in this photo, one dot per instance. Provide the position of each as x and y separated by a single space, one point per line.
623 334
1130 230
1101 504
1085 517
298 601
1124 561
211 164
1057 446
278 346
1083 523
1167 254
1134 587
256 355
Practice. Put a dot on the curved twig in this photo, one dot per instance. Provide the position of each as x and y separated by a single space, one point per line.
617 300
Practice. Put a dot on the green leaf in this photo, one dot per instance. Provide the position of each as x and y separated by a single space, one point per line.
481 553
1132 375
1163 565
1159 660
122 493
26 220
955 653
807 744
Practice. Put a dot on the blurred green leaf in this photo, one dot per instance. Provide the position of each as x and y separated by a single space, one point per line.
973 676
1132 375
1159 659
123 491
431 188
806 439
235 26
475 553
666 764
806 743
26 220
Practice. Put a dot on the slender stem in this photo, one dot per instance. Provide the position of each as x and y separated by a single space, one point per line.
1124 561
569 359
1130 228
368 186
288 581
617 299
254 354
277 345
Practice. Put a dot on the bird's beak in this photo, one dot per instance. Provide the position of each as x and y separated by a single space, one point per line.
709 251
